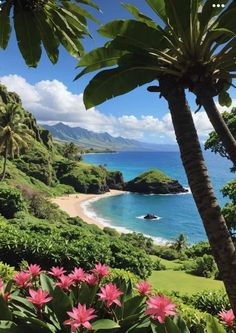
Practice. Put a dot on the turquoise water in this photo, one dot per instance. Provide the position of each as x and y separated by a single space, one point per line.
177 213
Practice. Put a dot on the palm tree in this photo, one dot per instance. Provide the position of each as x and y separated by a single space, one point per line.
50 23
14 135
180 243
176 54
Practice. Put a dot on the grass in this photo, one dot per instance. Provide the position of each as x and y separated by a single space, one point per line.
182 282
152 176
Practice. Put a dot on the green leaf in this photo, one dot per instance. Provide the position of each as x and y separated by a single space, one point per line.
5 313
213 325
22 301
5 31
47 283
139 16
80 13
104 324
9 327
28 37
208 12
89 3
227 20
136 33
180 323
49 39
225 99
158 6
132 304
61 304
99 58
114 82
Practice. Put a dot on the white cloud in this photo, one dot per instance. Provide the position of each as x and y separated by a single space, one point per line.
51 102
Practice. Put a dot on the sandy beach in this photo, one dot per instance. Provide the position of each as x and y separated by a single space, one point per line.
73 204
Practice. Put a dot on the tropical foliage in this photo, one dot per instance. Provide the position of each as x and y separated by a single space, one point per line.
59 302
191 46
14 134
44 24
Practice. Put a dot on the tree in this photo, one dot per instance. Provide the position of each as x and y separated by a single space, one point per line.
176 54
71 151
180 243
214 143
49 23
14 134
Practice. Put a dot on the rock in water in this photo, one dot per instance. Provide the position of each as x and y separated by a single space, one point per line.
154 182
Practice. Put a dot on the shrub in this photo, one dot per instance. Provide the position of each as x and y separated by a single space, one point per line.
198 250
166 252
204 266
139 240
11 201
111 232
6 271
121 274
158 266
209 301
28 238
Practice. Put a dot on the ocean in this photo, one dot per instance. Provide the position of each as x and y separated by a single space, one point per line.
176 213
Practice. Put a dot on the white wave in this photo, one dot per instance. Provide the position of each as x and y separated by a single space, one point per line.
182 193
142 217
89 212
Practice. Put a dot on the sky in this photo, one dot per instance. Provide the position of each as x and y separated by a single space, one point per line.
51 95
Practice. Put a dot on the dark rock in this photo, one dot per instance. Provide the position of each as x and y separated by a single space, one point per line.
150 217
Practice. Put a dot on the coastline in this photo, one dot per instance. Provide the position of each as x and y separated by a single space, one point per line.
74 204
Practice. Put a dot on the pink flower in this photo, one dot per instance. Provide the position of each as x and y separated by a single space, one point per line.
57 271
65 282
22 279
101 270
110 294
144 288
34 270
80 317
227 317
78 275
1 283
91 279
160 307
39 297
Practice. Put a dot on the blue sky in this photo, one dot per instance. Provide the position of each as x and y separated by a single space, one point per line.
139 114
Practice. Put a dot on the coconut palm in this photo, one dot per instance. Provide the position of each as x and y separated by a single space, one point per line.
50 23
14 135
191 49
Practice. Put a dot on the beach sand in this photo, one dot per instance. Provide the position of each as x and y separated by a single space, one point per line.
72 204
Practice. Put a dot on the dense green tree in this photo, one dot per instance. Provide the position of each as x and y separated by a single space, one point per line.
192 49
47 23
14 134
71 151
179 243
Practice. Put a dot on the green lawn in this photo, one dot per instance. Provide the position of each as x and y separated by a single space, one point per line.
182 282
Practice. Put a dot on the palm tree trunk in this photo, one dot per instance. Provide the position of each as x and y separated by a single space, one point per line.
218 234
4 165
218 122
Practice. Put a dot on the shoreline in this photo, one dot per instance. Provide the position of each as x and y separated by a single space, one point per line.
74 204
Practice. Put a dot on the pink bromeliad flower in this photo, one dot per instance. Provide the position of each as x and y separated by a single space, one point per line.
110 293
78 275
34 270
65 282
160 307
227 317
144 288
91 279
38 297
100 270
80 316
57 271
22 279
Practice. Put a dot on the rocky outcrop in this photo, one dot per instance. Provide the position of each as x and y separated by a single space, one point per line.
115 180
154 182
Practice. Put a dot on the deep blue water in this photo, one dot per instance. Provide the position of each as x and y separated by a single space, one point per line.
177 213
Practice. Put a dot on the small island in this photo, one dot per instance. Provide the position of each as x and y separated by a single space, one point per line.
154 182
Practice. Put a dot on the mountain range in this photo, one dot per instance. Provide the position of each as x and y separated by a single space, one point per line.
90 139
